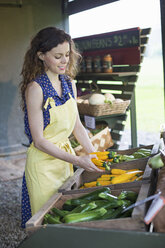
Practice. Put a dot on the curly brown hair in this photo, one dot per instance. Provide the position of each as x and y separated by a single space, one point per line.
44 41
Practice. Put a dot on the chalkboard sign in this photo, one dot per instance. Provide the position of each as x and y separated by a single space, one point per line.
123 45
113 40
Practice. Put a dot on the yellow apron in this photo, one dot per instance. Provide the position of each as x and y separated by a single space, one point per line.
44 173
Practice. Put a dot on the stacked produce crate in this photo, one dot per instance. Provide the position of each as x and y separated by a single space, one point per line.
100 206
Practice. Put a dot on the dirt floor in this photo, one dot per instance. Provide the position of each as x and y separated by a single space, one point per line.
11 171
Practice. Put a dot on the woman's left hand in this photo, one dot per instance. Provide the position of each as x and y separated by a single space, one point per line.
86 163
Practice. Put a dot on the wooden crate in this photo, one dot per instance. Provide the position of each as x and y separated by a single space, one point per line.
135 222
81 176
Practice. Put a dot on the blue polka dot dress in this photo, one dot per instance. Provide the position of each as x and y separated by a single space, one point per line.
48 91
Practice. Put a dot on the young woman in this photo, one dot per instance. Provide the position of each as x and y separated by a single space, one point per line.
49 104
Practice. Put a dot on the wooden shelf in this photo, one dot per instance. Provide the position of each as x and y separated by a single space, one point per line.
115 76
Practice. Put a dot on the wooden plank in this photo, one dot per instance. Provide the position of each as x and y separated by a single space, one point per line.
123 96
73 182
115 224
38 217
119 126
142 49
109 86
114 76
115 136
140 210
159 223
73 7
144 40
115 146
145 31
162 11
129 68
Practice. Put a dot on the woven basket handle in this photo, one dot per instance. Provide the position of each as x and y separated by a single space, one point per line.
94 87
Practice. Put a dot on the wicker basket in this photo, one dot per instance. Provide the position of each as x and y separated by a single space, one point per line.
104 109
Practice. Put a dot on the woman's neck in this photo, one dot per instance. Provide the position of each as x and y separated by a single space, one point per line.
55 81
52 76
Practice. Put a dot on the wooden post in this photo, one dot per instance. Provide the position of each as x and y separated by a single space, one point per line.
162 10
133 121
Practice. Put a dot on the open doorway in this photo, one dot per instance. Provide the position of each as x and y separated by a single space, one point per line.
125 14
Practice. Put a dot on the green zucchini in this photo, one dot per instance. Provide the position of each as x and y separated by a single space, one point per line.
111 204
78 209
107 196
112 213
126 157
108 214
145 151
126 214
76 202
84 207
68 207
49 219
128 195
87 197
94 195
100 203
87 216
59 212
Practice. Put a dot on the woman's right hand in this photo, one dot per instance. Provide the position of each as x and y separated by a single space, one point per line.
86 163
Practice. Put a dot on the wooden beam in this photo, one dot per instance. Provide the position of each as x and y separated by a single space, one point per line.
162 9
76 6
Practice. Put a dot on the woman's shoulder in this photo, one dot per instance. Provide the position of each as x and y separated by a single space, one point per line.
33 88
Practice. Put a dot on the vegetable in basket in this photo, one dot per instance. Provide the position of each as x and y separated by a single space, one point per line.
96 99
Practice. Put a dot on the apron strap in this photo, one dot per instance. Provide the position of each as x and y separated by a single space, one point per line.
50 101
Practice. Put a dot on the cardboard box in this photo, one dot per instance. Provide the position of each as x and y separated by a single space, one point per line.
101 141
